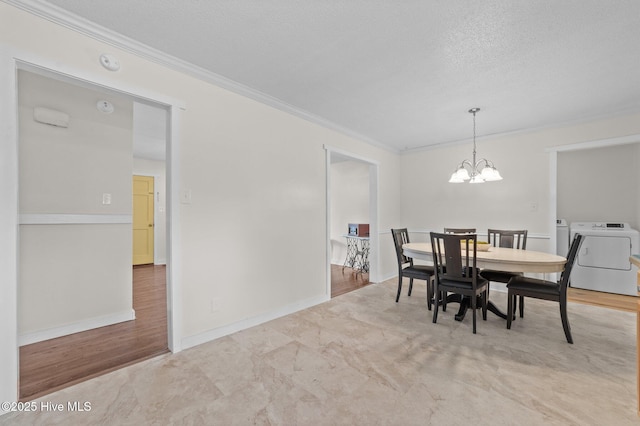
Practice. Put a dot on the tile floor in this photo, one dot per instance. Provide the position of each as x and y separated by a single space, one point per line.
362 359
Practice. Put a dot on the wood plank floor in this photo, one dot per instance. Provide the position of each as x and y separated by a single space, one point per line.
57 363
606 300
345 281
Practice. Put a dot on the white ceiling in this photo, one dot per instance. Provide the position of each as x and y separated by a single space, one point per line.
404 73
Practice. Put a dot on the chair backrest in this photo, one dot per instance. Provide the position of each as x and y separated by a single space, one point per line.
459 230
454 256
508 239
400 237
571 258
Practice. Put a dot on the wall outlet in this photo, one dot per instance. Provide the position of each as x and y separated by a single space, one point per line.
106 198
215 305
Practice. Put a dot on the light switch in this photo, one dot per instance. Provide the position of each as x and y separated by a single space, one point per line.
106 198
185 196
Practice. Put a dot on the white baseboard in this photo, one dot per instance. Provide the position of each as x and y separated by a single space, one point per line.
76 327
216 333
388 277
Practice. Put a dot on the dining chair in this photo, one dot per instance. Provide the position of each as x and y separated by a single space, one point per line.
546 290
454 257
443 300
407 269
509 239
459 230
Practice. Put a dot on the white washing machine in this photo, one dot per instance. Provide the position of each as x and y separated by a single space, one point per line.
603 260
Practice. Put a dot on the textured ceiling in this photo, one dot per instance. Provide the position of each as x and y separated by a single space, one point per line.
404 73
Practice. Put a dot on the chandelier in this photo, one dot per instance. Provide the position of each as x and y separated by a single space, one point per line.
474 171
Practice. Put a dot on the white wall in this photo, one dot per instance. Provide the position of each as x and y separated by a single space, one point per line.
429 202
157 169
256 175
599 184
72 276
349 203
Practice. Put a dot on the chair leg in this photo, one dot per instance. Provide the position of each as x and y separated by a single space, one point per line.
410 285
474 303
565 321
515 304
521 306
429 292
399 288
436 293
485 297
443 295
510 299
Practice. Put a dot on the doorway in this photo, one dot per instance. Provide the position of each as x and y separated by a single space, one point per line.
13 60
559 192
352 197
75 204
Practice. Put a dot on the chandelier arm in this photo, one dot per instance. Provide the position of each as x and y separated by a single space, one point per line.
487 163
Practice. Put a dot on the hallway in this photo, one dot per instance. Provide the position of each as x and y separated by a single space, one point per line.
57 363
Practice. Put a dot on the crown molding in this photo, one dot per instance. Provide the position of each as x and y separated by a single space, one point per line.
494 136
83 26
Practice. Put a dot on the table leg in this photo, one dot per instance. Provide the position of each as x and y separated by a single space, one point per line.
364 252
465 305
463 301
493 308
352 252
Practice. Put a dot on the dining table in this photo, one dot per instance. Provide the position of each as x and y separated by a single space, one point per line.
498 258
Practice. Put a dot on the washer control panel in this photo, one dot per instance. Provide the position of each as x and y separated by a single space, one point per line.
601 225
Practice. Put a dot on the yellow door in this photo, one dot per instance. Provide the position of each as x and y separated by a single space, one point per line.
142 220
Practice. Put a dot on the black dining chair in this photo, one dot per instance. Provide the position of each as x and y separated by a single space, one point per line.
509 239
407 269
443 300
546 290
454 258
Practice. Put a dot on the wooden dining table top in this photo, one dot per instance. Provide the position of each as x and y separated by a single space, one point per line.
500 258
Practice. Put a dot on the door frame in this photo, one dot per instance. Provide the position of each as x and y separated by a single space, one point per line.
12 60
553 173
374 234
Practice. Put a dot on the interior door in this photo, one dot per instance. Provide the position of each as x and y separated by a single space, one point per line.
143 197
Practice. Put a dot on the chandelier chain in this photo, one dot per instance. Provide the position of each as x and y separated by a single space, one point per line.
474 136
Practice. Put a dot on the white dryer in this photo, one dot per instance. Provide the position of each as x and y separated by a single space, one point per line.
603 260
